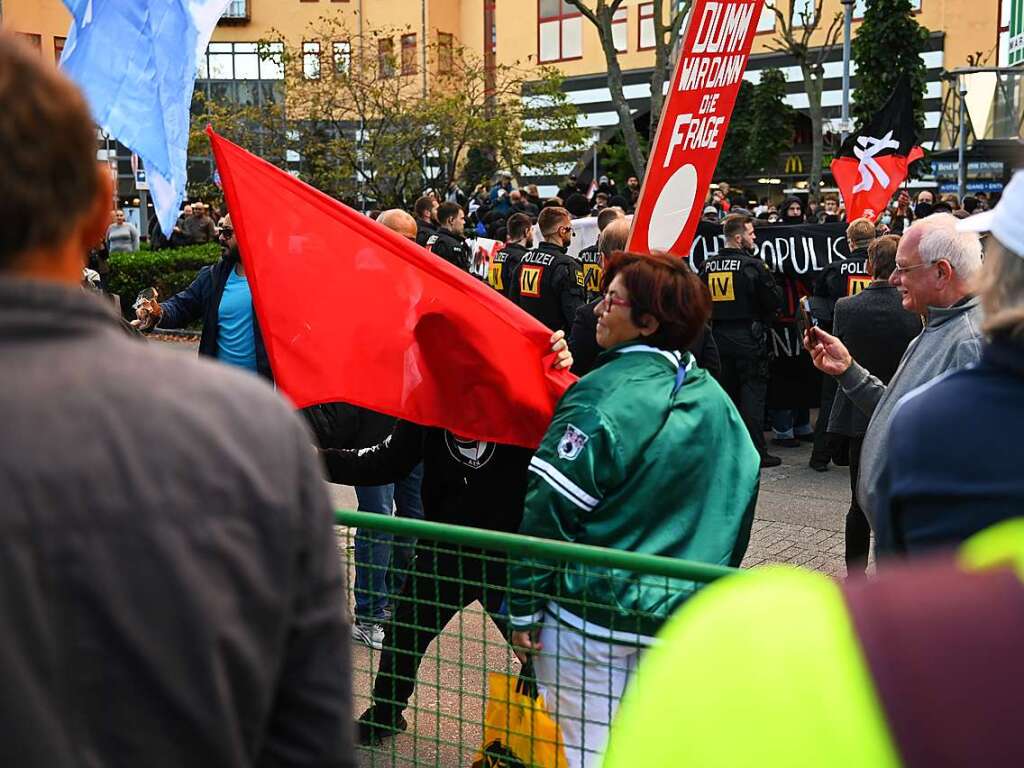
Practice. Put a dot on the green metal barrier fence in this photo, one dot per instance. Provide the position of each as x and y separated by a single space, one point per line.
432 606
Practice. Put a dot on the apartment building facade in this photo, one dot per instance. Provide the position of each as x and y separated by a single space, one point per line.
548 32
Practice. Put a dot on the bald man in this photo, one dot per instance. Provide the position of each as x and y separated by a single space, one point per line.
400 221
341 425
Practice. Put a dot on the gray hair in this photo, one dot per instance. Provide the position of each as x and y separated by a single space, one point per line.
940 240
613 237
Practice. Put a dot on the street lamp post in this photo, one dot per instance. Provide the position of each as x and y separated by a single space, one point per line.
962 172
844 128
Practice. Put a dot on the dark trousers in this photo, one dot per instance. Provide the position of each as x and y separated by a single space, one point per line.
821 452
745 380
858 532
443 582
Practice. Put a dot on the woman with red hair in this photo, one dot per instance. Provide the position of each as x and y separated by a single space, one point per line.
648 454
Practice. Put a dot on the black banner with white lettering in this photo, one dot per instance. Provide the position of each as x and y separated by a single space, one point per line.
796 254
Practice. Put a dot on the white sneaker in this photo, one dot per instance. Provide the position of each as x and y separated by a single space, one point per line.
369 634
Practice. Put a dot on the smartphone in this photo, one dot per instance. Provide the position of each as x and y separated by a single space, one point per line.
805 321
146 294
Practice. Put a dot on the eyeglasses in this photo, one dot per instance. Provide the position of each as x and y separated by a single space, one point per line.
903 270
226 232
610 300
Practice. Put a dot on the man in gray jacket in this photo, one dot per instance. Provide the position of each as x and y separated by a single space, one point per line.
171 588
935 265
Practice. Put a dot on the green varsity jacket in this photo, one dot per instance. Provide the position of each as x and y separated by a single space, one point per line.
647 454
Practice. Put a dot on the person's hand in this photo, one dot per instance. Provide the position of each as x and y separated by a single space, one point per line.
828 353
525 643
147 313
563 357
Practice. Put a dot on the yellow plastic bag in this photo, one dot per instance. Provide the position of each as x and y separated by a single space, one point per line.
518 731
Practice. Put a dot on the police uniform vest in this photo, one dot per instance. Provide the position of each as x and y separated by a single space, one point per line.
737 282
503 267
450 248
844 277
424 231
549 285
592 263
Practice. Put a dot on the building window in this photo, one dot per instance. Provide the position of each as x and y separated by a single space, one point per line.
409 54
58 48
445 52
342 57
620 29
386 57
559 31
766 22
860 6
311 61
237 9
36 41
646 27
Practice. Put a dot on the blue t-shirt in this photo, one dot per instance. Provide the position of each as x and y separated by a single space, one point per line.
236 342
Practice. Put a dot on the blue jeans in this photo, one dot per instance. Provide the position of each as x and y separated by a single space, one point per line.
787 424
373 553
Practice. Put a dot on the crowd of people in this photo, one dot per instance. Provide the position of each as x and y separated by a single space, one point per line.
174 591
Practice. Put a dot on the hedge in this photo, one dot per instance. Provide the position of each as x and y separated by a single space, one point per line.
169 270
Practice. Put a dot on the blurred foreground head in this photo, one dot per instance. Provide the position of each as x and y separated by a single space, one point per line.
56 200
401 222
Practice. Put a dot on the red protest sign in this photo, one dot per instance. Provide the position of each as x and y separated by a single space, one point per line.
716 46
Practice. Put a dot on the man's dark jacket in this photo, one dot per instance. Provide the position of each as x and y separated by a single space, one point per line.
169 576
424 229
583 344
953 464
201 301
465 482
876 330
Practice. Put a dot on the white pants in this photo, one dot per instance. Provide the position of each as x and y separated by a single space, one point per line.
582 680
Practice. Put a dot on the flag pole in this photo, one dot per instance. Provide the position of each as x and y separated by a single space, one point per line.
962 172
844 127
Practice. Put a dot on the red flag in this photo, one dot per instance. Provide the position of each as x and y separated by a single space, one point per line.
693 124
351 311
873 162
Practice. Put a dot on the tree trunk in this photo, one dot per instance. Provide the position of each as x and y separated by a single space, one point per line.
813 81
659 74
629 134
601 17
663 62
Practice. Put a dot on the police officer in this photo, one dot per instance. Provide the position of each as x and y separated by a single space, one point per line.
838 280
425 211
846 278
744 298
549 282
591 260
506 261
448 242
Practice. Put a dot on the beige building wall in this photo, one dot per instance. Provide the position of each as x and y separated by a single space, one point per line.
970 27
45 21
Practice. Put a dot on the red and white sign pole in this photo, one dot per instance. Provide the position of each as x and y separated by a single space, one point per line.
694 119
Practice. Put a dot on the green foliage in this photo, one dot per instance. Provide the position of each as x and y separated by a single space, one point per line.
479 168
761 127
368 127
168 270
887 45
614 161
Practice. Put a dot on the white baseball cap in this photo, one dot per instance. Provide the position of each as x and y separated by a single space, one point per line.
1006 220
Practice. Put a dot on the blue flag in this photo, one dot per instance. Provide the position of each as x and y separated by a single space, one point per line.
136 62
